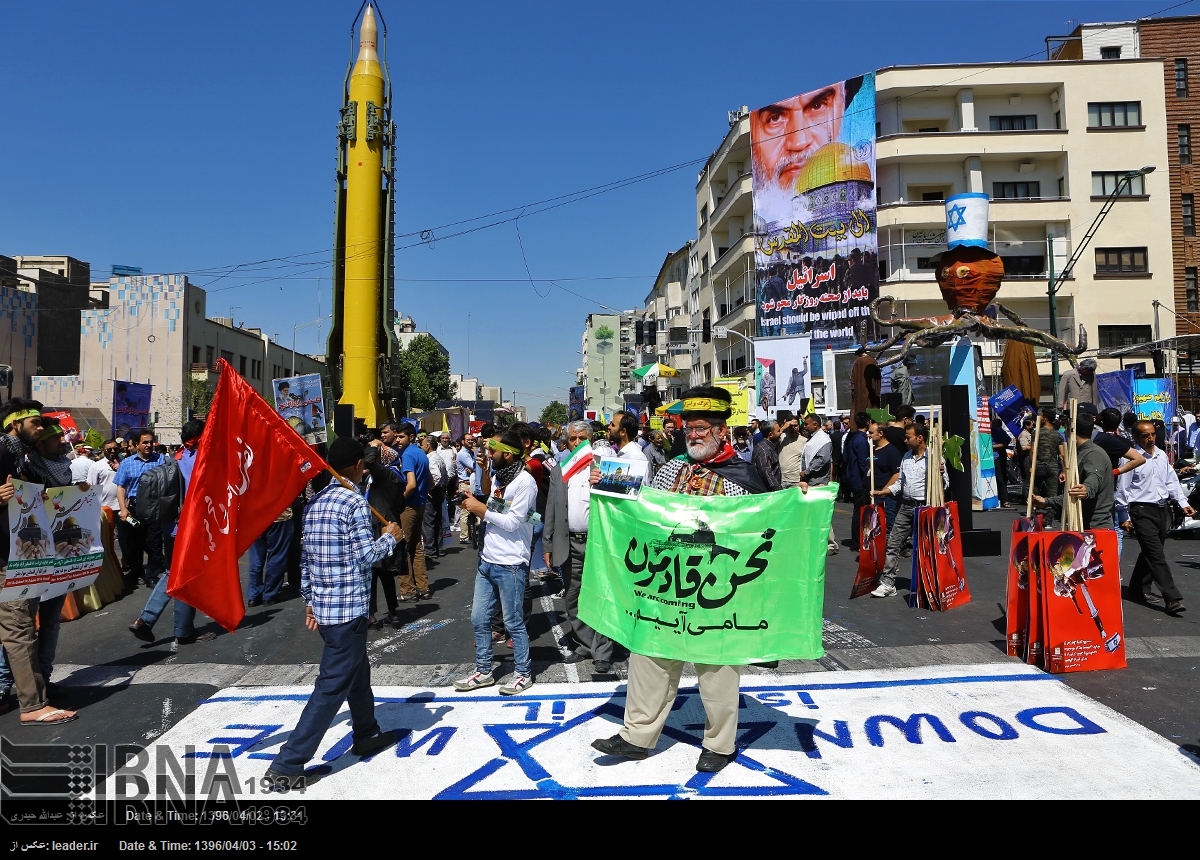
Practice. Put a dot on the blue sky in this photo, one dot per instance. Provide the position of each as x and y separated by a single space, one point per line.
193 137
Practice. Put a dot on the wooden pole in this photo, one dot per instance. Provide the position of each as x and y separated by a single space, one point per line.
1037 434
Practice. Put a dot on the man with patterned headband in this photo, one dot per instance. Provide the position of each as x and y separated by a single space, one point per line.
709 468
503 563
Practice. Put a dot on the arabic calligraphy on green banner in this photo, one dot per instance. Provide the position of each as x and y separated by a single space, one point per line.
722 580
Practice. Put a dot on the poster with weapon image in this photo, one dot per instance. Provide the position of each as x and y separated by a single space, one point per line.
1081 598
30 552
75 530
872 552
939 579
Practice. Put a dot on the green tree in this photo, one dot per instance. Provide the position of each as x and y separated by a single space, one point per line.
197 396
425 372
604 333
555 413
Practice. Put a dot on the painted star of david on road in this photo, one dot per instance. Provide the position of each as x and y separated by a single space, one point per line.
956 217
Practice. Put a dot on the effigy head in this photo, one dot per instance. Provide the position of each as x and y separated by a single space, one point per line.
969 277
968 273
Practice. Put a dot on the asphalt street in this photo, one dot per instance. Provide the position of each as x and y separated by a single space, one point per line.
131 692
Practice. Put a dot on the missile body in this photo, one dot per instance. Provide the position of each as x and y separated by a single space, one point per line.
361 343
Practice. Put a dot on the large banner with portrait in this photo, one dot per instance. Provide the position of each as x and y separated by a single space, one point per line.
575 403
131 408
781 374
816 243
300 401
53 541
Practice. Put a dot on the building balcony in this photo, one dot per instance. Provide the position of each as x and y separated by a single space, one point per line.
736 202
962 144
732 254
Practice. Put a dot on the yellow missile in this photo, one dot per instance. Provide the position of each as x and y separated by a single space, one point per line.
364 246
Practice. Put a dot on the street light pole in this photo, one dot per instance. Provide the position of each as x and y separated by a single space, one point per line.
1053 285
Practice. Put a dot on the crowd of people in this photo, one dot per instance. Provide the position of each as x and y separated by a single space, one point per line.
502 493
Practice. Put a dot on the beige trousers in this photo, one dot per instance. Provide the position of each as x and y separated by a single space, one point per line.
653 685
18 633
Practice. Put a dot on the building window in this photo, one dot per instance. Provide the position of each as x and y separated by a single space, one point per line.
1189 287
927 196
1062 186
703 214
1114 114
208 356
1188 206
1026 122
1112 52
932 129
1120 261
1103 184
1185 144
1181 78
1058 119
1026 266
1015 190
195 355
704 264
242 365
255 369
925 263
227 355
1117 336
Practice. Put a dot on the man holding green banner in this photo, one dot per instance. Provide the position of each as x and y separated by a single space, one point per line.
707 567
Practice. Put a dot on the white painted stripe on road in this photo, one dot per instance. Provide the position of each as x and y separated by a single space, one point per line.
556 631
947 732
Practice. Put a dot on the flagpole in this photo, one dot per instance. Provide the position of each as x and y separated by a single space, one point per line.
354 489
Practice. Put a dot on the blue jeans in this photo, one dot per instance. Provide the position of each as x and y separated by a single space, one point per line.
889 509
536 559
268 561
345 677
506 583
1120 534
185 616
49 622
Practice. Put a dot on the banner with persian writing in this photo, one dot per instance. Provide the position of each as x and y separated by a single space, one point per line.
816 243
74 516
722 580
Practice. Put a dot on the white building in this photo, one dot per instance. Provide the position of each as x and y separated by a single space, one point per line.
1030 135
665 325
153 329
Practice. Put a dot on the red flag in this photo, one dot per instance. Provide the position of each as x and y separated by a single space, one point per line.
250 466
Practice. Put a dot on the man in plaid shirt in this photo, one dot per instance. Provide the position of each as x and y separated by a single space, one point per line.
335 580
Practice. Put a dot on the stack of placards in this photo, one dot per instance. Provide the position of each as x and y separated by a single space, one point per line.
1018 579
1064 601
53 541
939 576
872 553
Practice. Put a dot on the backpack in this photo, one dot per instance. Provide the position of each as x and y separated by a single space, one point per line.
160 494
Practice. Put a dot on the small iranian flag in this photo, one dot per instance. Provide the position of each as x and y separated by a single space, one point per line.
580 459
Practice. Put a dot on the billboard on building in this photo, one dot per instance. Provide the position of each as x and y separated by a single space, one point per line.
816 243
131 408
782 377
575 403
300 401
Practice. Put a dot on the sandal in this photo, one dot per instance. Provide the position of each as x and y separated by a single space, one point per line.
44 719
425 595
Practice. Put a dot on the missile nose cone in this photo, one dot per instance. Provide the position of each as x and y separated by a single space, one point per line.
368 36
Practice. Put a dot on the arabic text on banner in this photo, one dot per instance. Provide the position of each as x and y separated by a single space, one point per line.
30 552
300 401
816 242
724 580
75 530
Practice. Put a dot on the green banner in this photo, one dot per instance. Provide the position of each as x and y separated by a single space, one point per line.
723 580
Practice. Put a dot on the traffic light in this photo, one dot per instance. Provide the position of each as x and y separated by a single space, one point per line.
639 333
706 331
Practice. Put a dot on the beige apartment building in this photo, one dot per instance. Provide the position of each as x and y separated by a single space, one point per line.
1049 142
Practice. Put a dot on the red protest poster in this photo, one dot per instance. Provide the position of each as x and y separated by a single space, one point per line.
1036 611
938 559
1081 594
1017 611
872 530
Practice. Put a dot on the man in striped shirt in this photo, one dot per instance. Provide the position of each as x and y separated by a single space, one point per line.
335 580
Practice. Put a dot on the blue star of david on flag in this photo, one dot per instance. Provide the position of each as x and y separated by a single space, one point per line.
956 217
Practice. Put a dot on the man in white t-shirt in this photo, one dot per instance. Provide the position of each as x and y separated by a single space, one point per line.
100 474
503 564
623 434
81 465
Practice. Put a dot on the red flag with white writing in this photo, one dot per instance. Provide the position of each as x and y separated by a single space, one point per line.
250 465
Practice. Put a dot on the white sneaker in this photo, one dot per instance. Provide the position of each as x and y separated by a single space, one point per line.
518 684
474 681
884 590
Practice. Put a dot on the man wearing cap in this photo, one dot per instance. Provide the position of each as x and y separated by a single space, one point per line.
1078 384
335 581
709 468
